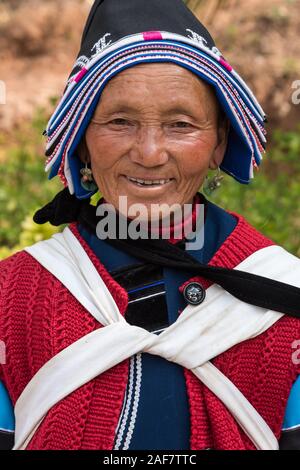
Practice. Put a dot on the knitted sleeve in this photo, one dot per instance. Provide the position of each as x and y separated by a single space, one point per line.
7 421
16 280
5 266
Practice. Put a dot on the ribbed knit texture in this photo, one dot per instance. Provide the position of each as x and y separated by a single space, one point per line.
39 317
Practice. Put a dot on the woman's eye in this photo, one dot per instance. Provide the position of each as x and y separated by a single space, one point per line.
120 122
181 124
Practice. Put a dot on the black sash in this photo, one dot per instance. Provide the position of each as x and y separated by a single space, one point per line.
250 288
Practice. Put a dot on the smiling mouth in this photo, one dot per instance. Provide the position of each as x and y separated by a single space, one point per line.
148 182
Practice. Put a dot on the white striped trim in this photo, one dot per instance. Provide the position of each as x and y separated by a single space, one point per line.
297 426
147 297
127 408
136 401
11 431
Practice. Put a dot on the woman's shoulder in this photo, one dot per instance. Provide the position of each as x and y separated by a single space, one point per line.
247 241
18 269
242 238
246 234
239 229
23 270
14 260
21 261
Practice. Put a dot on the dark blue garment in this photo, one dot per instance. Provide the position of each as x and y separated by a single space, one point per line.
156 413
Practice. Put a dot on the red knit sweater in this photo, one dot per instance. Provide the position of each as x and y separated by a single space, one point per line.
39 317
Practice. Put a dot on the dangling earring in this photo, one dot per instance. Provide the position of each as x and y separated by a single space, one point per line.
211 184
87 181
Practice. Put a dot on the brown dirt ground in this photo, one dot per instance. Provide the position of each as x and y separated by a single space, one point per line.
39 42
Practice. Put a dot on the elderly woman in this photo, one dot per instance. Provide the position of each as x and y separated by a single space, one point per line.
150 342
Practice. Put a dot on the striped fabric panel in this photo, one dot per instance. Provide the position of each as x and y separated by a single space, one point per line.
77 105
147 306
103 74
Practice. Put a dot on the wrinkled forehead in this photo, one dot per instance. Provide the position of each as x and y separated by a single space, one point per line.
165 86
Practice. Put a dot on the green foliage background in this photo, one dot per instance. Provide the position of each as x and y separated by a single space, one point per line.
271 201
24 186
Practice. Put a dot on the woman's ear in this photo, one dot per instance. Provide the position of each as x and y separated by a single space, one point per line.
219 151
83 152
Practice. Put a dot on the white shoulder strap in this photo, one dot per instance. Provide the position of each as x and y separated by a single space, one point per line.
199 334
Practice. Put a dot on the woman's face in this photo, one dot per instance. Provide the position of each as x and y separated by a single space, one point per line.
157 123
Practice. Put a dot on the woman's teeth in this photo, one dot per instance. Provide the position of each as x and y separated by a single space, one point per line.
148 182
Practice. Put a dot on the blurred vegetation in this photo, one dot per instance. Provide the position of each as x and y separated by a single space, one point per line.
270 202
24 186
214 5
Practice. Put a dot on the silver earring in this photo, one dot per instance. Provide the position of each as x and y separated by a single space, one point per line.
87 181
211 184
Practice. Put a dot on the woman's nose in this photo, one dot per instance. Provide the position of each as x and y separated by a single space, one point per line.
149 147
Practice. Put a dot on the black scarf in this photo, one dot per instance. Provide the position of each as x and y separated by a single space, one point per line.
120 18
255 290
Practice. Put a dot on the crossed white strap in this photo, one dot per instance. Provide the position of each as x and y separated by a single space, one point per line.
199 334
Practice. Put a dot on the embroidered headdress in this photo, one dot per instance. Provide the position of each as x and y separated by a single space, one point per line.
121 34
